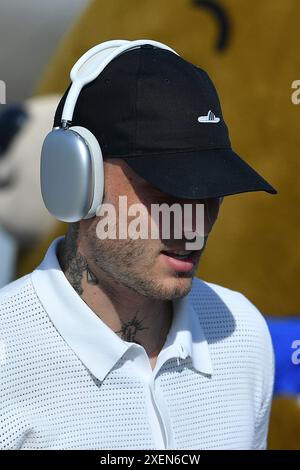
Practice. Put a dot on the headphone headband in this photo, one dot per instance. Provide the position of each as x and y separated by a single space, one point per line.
90 65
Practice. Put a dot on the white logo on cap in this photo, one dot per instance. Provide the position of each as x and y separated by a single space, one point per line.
210 117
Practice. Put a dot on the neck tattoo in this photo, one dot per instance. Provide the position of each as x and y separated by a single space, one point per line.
73 264
130 328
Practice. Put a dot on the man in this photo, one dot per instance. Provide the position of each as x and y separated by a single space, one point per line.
112 343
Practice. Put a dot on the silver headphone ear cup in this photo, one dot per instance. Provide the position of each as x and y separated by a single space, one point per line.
71 173
97 177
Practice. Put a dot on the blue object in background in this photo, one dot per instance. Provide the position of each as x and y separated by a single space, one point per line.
285 334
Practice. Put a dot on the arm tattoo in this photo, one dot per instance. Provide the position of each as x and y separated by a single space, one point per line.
72 262
129 329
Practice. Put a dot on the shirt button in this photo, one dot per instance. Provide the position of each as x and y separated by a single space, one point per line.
182 351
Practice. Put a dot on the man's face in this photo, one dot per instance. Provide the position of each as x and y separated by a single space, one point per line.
151 267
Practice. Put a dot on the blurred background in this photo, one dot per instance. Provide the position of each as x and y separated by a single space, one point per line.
250 51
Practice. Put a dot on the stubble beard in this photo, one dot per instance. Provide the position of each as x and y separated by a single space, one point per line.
130 263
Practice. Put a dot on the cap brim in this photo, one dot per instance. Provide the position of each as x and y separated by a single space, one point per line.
199 174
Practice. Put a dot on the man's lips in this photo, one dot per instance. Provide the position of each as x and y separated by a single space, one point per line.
181 260
178 253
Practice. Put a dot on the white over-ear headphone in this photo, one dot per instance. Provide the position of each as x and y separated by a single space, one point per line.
72 177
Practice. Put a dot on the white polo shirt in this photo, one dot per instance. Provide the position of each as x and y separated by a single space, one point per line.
69 382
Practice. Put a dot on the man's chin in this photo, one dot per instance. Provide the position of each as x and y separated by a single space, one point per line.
176 287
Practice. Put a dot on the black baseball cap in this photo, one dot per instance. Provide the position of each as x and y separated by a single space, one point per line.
162 115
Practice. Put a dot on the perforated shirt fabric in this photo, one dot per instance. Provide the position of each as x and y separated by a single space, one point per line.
68 381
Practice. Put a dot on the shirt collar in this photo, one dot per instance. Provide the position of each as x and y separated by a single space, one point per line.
97 345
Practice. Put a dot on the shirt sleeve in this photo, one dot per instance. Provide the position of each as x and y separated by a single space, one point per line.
263 418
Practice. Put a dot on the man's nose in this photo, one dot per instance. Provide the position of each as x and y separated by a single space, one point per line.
206 209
